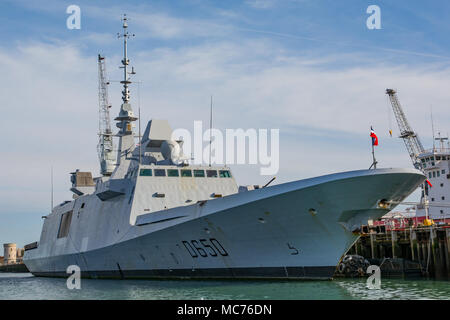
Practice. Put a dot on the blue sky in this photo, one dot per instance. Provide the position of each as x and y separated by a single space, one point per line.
310 68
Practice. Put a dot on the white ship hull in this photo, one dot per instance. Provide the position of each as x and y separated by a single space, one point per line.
296 230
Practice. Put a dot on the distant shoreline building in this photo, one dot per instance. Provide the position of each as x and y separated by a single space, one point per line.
11 254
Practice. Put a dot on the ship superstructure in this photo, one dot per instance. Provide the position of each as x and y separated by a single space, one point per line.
158 216
434 163
436 166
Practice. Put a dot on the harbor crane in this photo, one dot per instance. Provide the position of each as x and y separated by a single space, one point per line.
411 139
413 145
105 147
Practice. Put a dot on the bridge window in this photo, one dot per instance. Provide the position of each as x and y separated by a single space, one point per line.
438 158
173 173
145 172
160 172
438 173
434 174
64 225
211 173
199 173
429 175
224 174
443 171
186 173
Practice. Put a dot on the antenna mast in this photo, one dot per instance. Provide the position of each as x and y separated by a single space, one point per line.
432 128
105 147
411 139
51 178
441 140
126 116
210 131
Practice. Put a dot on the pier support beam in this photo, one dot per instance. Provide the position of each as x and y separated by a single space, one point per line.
447 250
424 254
417 250
395 247
430 246
412 240
434 253
372 246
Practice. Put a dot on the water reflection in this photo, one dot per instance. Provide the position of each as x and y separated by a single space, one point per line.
25 286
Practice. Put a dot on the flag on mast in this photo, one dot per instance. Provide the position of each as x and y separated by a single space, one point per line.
429 183
374 137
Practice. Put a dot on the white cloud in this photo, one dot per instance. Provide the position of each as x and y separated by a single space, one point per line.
260 4
50 108
159 24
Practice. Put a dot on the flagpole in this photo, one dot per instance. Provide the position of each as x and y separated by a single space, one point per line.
374 163
374 160
425 200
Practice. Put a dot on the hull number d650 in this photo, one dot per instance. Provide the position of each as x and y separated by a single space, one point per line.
204 248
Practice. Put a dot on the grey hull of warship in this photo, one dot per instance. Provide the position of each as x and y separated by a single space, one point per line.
157 216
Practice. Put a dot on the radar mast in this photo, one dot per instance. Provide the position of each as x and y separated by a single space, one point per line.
126 116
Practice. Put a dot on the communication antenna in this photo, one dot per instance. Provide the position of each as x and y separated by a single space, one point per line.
125 61
51 183
432 128
441 141
126 116
139 123
210 129
140 143
139 119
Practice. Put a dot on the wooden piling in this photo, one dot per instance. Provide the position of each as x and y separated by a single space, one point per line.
395 247
429 246
372 248
447 250
412 237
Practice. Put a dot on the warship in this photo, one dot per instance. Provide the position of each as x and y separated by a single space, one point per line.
152 214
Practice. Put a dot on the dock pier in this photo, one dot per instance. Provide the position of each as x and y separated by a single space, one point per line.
14 268
429 246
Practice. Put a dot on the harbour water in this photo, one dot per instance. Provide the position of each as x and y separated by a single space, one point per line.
25 286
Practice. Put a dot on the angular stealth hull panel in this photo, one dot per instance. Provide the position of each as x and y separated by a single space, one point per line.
296 230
